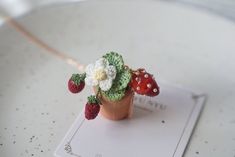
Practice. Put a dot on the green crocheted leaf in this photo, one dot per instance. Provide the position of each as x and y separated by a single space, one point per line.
122 80
77 78
123 76
116 60
92 99
114 95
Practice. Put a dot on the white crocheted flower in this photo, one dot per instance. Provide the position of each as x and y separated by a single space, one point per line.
100 73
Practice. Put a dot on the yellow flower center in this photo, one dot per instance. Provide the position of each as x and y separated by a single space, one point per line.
100 75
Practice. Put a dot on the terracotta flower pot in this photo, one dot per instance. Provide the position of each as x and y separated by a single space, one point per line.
117 110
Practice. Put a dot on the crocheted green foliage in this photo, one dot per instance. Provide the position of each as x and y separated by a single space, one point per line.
92 99
123 77
114 95
116 60
122 80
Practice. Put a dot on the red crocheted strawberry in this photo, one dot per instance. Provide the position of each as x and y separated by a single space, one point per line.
92 107
143 83
154 90
76 83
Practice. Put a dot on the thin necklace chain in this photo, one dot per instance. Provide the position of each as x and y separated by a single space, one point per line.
41 44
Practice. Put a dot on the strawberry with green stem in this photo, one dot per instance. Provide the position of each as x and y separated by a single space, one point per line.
76 83
92 108
144 83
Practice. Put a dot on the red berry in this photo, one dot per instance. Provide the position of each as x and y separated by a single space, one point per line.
91 111
92 108
135 79
76 83
154 90
74 88
143 83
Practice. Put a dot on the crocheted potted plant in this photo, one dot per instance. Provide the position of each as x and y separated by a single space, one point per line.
114 84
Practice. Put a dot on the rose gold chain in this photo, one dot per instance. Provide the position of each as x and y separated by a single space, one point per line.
41 44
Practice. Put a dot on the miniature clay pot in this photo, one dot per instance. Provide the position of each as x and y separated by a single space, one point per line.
117 110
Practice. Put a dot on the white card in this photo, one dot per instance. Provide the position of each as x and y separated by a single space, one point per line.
160 126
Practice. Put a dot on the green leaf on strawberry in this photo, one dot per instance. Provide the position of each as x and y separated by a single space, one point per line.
92 99
77 78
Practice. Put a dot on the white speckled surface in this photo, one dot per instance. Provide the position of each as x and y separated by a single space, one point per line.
186 46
